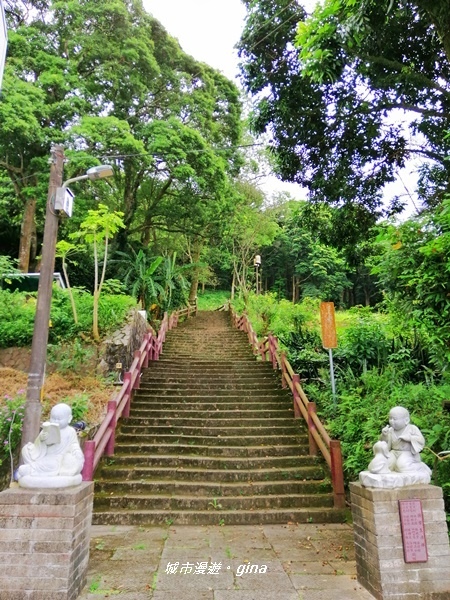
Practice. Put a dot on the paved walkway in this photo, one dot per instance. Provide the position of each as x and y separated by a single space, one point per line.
294 562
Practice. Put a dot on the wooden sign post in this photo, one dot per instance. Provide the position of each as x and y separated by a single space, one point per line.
329 337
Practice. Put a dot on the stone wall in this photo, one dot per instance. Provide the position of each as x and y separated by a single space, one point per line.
122 344
15 358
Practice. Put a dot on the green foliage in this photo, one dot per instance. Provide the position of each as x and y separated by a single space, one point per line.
212 299
413 265
363 407
11 418
350 66
364 343
16 318
138 270
70 357
79 405
17 312
8 266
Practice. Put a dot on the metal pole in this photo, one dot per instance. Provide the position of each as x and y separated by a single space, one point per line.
31 422
333 383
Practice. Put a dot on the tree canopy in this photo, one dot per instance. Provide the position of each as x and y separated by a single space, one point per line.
351 92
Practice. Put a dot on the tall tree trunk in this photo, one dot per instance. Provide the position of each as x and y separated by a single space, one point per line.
195 257
27 231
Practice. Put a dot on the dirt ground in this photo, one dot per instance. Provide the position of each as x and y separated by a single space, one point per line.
60 387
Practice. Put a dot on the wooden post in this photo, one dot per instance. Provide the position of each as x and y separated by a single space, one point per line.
109 449
313 448
137 381
337 474
295 381
147 347
127 381
88 467
283 370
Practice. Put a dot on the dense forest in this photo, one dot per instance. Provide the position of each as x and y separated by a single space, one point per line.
337 100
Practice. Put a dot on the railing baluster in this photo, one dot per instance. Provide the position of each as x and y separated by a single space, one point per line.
319 439
109 450
104 440
297 399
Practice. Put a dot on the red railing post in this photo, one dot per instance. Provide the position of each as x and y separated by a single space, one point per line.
295 380
313 447
283 370
262 351
337 474
147 337
127 381
137 381
109 448
88 467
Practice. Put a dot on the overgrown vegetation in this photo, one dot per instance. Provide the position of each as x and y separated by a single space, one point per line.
17 316
377 366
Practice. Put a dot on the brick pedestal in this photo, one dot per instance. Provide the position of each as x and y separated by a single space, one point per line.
380 563
44 542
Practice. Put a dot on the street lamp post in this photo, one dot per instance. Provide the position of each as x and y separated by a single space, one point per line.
257 264
32 416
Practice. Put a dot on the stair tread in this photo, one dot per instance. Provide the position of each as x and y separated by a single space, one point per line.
206 405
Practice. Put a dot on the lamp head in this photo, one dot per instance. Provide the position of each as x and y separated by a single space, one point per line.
99 172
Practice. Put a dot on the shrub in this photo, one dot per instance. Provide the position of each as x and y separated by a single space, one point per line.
11 418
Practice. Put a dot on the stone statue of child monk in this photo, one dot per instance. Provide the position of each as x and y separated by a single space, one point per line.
397 459
55 459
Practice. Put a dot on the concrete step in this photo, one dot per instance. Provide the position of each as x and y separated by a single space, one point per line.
206 503
223 517
136 471
254 406
210 441
210 412
208 431
212 489
190 461
211 422
211 451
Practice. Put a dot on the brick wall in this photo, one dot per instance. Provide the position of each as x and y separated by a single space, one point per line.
44 542
380 563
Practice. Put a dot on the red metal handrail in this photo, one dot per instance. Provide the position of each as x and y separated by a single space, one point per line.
119 404
269 350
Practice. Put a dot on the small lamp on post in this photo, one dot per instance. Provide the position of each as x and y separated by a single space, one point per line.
257 265
59 199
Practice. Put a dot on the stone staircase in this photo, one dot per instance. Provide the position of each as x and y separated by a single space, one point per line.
211 439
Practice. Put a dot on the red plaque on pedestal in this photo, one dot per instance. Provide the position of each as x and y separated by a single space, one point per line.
413 531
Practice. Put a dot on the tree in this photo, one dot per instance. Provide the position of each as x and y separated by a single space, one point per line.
413 264
139 275
109 81
339 106
64 250
96 230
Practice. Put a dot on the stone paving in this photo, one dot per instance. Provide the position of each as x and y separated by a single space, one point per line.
294 562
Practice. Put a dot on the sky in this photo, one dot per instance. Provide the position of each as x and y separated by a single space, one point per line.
208 30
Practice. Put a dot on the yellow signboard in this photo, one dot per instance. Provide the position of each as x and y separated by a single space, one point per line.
328 324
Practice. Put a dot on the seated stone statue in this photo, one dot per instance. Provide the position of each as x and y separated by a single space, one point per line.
397 459
55 459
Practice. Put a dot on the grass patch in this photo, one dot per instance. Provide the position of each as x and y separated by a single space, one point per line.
212 299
